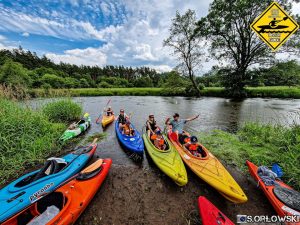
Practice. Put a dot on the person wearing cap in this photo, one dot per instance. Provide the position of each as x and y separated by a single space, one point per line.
178 124
193 146
151 126
109 111
122 118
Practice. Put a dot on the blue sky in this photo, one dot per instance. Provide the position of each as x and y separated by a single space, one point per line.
95 32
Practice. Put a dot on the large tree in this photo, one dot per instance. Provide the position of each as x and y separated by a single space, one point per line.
227 29
186 44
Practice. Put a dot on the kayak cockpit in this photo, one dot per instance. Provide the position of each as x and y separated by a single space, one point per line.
52 166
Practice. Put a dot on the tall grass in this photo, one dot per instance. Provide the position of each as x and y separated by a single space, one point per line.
63 111
26 137
261 144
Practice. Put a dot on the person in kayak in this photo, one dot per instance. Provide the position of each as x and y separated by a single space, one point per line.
151 126
127 130
178 124
109 111
158 140
191 144
122 118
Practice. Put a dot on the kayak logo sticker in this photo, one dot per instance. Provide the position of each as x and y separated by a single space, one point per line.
274 26
34 197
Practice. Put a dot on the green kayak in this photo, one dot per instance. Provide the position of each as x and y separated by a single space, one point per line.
79 128
168 161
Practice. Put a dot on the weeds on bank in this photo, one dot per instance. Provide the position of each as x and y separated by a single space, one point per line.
261 144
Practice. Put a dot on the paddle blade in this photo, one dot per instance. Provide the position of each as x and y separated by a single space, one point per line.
91 168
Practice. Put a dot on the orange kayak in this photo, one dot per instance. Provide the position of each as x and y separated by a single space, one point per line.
282 190
68 201
211 170
106 120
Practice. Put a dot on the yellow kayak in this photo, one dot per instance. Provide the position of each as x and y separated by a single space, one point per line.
210 169
168 161
106 120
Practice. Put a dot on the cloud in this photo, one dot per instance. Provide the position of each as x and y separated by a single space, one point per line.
2 38
25 34
88 56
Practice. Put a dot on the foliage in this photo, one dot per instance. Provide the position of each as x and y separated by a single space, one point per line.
14 74
186 44
261 144
26 138
62 111
53 80
227 29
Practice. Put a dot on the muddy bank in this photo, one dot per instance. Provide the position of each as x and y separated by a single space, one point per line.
142 196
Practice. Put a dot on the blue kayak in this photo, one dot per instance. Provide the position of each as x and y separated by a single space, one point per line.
33 186
132 143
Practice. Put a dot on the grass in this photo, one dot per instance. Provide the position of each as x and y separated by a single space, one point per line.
26 138
64 111
100 136
272 92
261 144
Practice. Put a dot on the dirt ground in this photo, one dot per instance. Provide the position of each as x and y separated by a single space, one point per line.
132 195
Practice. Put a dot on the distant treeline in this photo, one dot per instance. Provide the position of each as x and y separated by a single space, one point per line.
18 66
24 68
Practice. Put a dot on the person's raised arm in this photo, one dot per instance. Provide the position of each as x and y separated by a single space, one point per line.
167 121
192 118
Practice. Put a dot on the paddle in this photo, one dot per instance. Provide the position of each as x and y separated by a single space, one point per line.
97 120
84 116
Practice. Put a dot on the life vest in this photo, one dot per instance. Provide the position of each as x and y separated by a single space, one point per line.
127 129
161 142
122 119
153 137
193 147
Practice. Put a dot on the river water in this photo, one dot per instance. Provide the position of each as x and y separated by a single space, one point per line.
215 113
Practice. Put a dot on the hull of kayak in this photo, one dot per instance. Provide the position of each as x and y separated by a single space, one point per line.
71 199
211 171
168 161
280 207
133 143
20 194
69 134
106 120
210 214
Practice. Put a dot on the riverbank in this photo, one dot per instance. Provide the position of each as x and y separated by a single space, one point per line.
261 144
28 137
252 92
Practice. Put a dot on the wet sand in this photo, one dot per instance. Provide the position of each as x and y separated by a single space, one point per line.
132 195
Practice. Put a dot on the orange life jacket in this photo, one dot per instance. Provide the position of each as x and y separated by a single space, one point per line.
161 142
153 137
193 147
126 129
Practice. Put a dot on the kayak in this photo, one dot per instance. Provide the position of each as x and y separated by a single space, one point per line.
106 120
35 185
284 199
210 214
66 204
211 170
168 160
82 126
133 143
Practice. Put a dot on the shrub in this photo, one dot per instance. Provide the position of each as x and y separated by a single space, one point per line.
62 111
26 137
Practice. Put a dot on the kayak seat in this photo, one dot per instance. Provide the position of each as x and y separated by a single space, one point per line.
289 197
55 198
50 167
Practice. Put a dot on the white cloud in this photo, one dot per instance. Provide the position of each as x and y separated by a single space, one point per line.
88 56
25 34
2 38
161 68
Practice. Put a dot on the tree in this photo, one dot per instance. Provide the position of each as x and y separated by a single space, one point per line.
185 43
227 29
12 73
53 80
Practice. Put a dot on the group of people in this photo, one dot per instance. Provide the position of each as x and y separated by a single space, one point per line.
154 132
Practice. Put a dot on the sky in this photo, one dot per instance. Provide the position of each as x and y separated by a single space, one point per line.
96 32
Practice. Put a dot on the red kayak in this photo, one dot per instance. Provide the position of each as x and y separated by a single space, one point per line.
284 199
210 214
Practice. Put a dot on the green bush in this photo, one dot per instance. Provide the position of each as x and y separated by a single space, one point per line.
26 138
62 111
